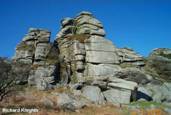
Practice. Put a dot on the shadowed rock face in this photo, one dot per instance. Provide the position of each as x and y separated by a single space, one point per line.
159 62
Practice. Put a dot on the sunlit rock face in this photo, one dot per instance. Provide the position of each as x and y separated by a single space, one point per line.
85 52
82 58
36 50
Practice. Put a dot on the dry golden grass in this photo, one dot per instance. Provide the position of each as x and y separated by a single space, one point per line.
31 98
148 112
35 66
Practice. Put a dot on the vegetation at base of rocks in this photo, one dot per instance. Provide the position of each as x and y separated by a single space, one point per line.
6 79
126 111
12 74
31 98
147 105
21 71
158 69
79 37
74 79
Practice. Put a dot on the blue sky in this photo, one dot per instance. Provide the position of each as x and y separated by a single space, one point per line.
139 24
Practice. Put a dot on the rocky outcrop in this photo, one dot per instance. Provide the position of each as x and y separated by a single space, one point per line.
34 46
155 92
85 52
117 96
36 49
70 102
92 66
94 94
159 63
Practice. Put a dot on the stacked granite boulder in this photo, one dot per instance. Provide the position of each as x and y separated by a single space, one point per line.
34 46
88 52
88 58
36 50
129 58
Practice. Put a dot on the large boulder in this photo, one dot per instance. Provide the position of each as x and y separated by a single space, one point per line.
71 102
121 83
134 74
94 94
118 96
41 51
156 92
42 76
98 45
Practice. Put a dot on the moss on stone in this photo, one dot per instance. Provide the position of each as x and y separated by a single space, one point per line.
79 37
74 79
24 46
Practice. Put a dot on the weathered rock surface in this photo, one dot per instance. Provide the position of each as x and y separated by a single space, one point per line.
129 58
133 74
94 94
29 48
82 57
71 102
157 92
121 83
85 51
159 63
117 96
36 49
101 69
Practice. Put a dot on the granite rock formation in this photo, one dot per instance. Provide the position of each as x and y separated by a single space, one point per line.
82 58
86 52
159 63
35 49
